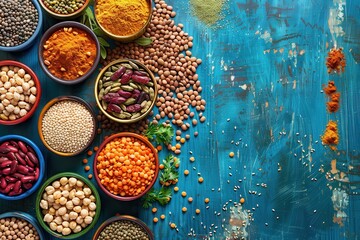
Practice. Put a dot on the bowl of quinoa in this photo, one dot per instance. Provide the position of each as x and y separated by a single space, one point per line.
20 24
116 228
67 125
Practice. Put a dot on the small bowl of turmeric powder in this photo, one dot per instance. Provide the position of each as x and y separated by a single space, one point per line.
123 21
69 52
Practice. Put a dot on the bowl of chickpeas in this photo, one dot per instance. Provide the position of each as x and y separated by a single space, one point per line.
126 166
67 205
20 92
19 225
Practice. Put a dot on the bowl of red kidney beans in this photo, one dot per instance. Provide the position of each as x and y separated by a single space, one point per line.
22 167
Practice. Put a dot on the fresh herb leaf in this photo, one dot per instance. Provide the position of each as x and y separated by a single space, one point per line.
162 196
103 42
103 52
143 41
169 174
160 133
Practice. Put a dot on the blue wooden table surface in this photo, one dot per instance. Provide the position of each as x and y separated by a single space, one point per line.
262 75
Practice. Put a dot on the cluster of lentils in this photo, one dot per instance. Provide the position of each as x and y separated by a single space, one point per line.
18 21
123 229
170 58
64 6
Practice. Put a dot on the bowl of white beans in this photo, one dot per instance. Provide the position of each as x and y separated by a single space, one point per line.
67 205
19 225
20 92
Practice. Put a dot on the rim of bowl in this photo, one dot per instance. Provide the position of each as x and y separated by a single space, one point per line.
41 167
123 218
103 70
128 37
30 41
38 89
50 104
27 217
59 15
140 138
53 29
39 214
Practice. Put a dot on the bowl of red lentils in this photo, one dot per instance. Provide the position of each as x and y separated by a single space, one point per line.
19 225
67 125
126 166
69 52
20 92
64 9
118 227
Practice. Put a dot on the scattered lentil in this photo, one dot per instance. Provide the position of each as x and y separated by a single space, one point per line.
18 93
184 209
18 22
190 199
183 194
172 225
176 189
89 153
200 179
207 200
154 210
17 228
155 219
67 126
87 168
192 159
197 211
64 6
231 154
186 172
85 161
162 216
242 200
90 176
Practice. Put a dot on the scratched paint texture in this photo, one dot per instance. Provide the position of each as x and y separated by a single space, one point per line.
263 72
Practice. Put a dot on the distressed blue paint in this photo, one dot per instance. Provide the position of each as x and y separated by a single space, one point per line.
267 107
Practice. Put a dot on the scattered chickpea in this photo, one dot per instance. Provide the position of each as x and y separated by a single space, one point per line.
192 159
186 172
154 210
182 140
184 209
183 194
176 189
190 199
200 179
162 216
231 154
155 219
197 211
207 200
172 225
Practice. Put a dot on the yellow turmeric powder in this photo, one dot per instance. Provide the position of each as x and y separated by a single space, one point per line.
69 53
331 135
122 17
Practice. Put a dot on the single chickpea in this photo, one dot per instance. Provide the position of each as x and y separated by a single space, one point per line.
69 205
53 226
79 220
65 193
62 201
79 183
59 228
77 209
86 201
62 211
64 181
73 215
72 225
87 191
48 218
80 194
57 195
49 190
72 181
44 204
84 213
66 231
92 206
88 219
77 229
66 217
56 184
58 220
76 201
92 214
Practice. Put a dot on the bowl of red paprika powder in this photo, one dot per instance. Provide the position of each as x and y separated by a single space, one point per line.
69 52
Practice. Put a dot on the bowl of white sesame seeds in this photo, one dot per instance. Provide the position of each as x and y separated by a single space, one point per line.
67 125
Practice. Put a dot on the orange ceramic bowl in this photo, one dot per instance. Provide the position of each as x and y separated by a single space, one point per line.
134 160
38 92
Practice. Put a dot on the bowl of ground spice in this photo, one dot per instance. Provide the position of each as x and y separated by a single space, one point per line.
67 125
126 166
123 227
20 24
125 91
20 92
64 9
123 20
69 52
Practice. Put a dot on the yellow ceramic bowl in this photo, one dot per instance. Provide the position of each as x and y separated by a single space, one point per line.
49 105
97 90
127 38
69 16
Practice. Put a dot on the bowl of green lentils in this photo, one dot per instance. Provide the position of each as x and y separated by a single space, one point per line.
20 24
64 9
123 227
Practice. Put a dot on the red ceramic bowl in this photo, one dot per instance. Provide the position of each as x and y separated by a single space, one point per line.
38 92
156 163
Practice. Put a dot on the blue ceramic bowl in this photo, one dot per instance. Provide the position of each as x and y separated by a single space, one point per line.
27 218
31 40
41 163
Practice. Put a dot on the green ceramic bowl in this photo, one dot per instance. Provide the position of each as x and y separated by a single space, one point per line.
40 216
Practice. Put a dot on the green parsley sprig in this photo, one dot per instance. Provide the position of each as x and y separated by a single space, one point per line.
162 196
170 174
160 133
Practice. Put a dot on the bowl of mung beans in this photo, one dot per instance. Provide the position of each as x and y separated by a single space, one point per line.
21 22
67 125
20 92
64 9
67 205
126 166
69 52
123 21
125 91
123 227
19 225
22 167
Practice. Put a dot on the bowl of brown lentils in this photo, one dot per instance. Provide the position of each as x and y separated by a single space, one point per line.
125 91
20 24
123 227
67 125
19 225
64 9
20 92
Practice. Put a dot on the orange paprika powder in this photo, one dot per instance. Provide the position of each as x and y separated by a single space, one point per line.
330 90
69 53
335 62
331 135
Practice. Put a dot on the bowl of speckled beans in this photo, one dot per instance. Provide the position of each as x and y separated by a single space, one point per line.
64 9
123 227
21 22
67 125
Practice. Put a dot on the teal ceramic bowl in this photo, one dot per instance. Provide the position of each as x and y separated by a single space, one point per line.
40 215
24 216
31 40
